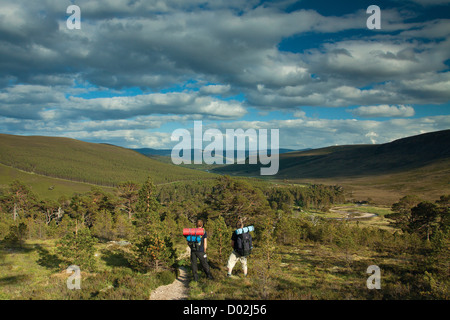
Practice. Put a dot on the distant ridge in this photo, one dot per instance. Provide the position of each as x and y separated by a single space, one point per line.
359 160
168 152
383 173
154 152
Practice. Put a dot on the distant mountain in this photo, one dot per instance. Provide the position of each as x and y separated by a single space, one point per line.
154 152
168 152
384 173
359 160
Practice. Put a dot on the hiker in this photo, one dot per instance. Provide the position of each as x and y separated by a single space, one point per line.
241 244
200 253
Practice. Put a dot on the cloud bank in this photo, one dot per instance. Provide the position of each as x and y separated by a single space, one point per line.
138 69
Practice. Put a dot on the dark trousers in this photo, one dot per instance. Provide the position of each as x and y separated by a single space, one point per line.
202 257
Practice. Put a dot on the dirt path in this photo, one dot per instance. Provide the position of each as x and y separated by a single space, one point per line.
177 290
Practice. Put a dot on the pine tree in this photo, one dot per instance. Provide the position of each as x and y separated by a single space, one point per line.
423 219
147 218
220 237
444 213
128 192
20 201
103 227
78 249
147 201
153 252
236 200
123 228
16 235
402 211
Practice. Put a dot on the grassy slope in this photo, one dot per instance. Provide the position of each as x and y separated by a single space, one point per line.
44 187
314 272
428 182
87 162
34 272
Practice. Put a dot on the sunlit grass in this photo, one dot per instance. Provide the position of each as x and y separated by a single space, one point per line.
33 272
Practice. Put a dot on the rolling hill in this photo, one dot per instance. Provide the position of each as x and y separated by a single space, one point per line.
99 164
384 172
414 165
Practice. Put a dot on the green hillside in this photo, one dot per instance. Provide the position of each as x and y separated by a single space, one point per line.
99 164
360 160
43 186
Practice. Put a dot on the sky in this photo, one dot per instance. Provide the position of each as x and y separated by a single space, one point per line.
138 70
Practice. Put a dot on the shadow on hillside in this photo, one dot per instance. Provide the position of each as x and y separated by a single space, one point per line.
13 279
14 247
114 258
47 259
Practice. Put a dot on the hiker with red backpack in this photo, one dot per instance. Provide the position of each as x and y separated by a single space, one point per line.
197 241
241 241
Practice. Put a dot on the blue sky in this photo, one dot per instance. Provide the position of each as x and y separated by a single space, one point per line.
137 70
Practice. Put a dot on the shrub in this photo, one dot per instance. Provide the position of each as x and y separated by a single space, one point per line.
16 235
78 249
103 225
166 277
153 252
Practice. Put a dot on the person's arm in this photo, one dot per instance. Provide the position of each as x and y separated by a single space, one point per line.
232 243
205 244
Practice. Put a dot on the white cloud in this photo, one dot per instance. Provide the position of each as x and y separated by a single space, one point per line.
35 102
431 29
215 89
156 103
315 133
383 111
299 114
372 136
126 138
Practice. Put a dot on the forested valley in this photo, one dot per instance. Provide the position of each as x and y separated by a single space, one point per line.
129 241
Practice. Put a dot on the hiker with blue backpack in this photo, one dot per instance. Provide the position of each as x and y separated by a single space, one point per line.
241 242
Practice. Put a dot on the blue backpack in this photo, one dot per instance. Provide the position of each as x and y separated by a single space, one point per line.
194 242
244 241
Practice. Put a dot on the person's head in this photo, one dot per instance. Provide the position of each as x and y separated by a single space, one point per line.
239 224
199 223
